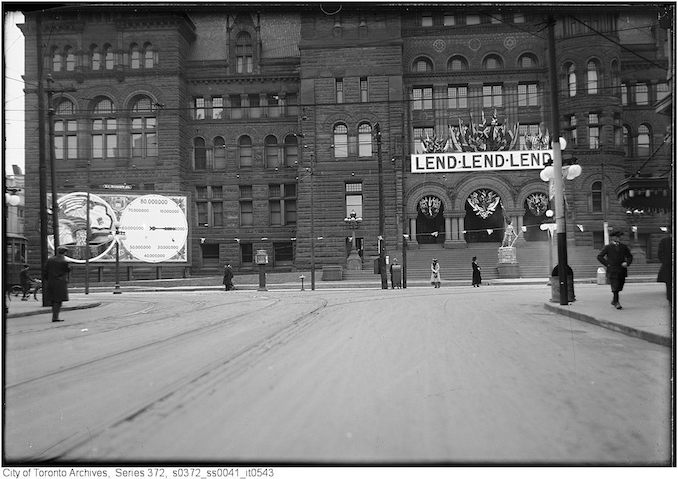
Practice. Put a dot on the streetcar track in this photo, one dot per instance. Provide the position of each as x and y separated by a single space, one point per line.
235 363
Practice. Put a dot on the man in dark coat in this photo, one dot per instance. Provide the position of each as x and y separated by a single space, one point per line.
665 254
228 278
616 257
56 272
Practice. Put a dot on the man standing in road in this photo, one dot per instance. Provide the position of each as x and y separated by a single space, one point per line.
616 257
56 271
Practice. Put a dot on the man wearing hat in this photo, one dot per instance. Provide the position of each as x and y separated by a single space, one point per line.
56 272
616 257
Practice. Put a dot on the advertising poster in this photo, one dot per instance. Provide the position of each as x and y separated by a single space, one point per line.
148 228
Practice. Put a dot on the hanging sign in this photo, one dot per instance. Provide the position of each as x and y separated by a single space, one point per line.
456 162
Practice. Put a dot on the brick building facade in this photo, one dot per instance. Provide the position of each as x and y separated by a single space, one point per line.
265 118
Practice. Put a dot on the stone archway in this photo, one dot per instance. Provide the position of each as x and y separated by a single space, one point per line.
487 202
424 222
534 202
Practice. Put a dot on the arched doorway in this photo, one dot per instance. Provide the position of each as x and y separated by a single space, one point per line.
535 205
430 220
484 220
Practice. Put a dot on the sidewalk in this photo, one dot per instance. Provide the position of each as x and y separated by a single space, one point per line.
646 315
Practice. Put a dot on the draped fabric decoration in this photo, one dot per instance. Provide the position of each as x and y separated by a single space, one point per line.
484 202
537 203
430 206
490 231
434 145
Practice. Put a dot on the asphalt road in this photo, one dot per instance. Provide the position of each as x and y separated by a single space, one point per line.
417 376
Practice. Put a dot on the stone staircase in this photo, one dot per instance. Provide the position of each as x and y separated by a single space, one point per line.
533 260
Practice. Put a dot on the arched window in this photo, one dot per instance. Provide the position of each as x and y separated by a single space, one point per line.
65 131
272 159
245 151
149 56
422 65
70 59
616 77
457 63
243 53
104 130
365 140
644 142
144 135
493 62
597 197
109 57
571 76
199 154
528 60
291 150
134 57
57 60
95 58
592 78
627 141
340 141
219 153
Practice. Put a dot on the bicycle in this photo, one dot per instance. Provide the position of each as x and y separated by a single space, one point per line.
35 289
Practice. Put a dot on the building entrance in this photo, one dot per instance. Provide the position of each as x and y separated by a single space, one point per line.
484 220
430 220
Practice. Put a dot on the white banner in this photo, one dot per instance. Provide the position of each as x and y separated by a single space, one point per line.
455 162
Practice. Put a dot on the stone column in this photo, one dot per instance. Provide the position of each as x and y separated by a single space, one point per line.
413 234
448 232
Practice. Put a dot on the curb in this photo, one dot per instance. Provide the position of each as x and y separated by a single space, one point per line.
49 311
627 330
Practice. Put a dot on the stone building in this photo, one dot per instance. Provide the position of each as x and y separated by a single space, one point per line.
273 120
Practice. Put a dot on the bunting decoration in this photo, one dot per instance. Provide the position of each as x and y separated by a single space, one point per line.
489 231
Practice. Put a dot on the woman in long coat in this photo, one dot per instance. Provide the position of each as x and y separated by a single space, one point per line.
435 273
56 271
476 273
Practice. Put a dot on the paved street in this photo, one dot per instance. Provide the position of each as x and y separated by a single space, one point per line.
456 375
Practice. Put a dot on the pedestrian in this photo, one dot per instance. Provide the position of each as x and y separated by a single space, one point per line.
435 273
476 273
57 271
396 274
665 254
25 280
616 257
228 277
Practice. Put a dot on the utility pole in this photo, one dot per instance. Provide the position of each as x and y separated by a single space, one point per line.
402 179
42 156
557 166
382 253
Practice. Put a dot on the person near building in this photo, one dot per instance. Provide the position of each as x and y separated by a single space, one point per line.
435 273
396 274
57 271
476 273
665 254
25 280
228 277
616 257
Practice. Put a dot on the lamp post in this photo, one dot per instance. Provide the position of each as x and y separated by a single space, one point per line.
550 227
353 221
116 237
382 253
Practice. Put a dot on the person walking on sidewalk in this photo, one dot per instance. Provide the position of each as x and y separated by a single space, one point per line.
435 273
228 277
665 275
476 273
616 257
56 272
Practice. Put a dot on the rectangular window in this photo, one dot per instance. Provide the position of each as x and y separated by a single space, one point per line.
594 137
572 130
217 213
662 91
641 94
354 202
527 94
457 97
275 212
199 108
246 213
246 253
492 96
236 111
202 213
426 20
525 131
418 135
59 147
282 204
449 20
339 89
423 98
217 107
624 94
97 146
283 252
363 90
472 19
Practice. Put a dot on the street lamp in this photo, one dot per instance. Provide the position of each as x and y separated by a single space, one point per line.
353 221
382 252
116 237
551 228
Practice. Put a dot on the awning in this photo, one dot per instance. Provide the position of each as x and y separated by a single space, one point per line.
648 194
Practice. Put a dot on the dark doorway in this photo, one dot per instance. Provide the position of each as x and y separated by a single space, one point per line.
430 223
536 205
477 227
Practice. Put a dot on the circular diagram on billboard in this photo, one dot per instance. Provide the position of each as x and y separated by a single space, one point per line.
155 228
72 215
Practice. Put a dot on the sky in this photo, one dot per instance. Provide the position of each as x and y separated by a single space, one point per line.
13 69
